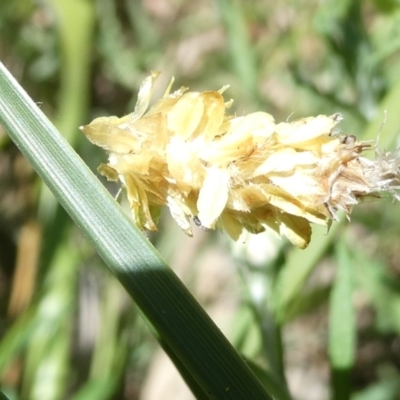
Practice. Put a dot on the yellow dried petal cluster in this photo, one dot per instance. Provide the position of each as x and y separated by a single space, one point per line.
235 173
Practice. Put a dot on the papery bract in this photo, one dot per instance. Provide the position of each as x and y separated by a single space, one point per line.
236 173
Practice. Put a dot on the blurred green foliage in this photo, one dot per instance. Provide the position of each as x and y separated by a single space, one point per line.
78 336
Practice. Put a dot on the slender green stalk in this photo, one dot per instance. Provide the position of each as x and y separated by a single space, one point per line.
241 52
342 327
164 300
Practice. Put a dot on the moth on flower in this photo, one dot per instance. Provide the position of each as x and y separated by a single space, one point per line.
236 173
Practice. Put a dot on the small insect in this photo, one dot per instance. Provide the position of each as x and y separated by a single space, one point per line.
197 222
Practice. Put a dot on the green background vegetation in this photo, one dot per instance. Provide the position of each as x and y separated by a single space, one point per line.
325 321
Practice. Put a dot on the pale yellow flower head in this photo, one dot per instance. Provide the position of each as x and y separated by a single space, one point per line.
236 173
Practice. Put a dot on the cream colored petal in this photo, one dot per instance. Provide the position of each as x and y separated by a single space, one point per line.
306 129
232 226
103 132
253 196
184 165
213 196
236 201
227 149
305 158
317 216
244 168
169 87
282 160
137 164
133 199
139 205
145 165
110 173
300 183
152 132
296 229
185 116
258 124
213 116
156 188
282 200
144 96
179 215
144 212
223 89
260 219
331 146
165 104
291 205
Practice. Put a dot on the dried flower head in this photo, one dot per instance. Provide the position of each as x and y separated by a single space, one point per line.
236 173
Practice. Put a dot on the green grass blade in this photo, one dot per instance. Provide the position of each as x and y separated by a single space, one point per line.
276 388
163 299
97 389
298 266
76 52
388 108
388 389
197 390
342 326
47 352
3 396
73 94
383 292
16 337
241 51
